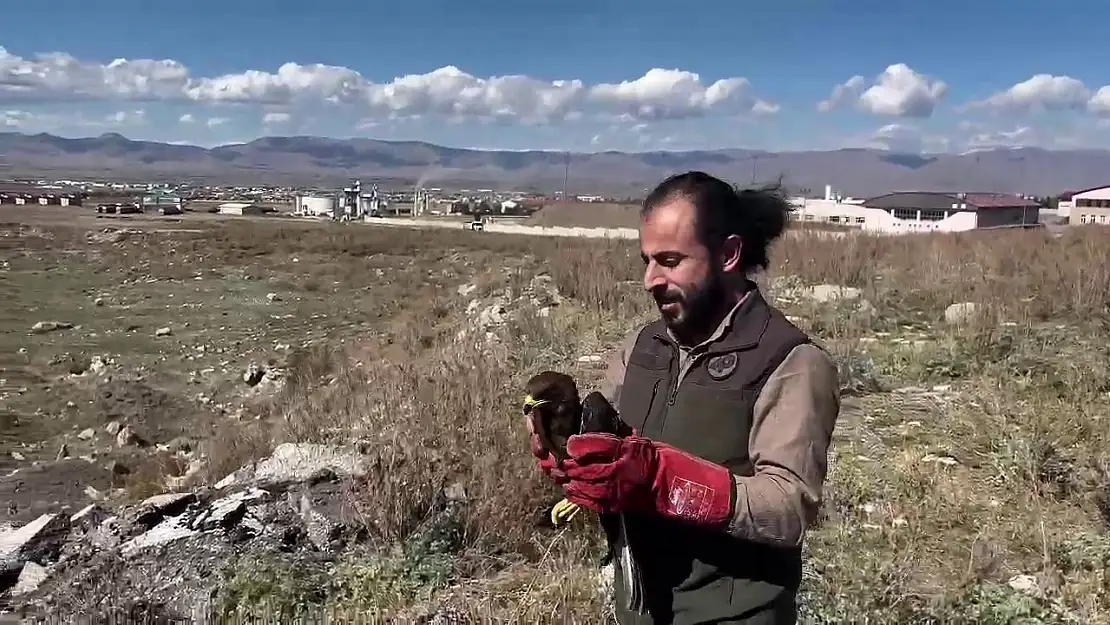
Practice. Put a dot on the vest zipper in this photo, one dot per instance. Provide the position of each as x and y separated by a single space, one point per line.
678 380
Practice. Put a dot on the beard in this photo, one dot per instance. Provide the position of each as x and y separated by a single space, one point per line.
690 313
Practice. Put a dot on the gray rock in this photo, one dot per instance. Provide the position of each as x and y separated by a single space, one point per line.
492 315
226 512
168 530
109 534
88 518
962 312
44 327
30 578
832 292
298 462
36 541
253 375
128 436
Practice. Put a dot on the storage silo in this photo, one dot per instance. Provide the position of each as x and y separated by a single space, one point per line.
315 205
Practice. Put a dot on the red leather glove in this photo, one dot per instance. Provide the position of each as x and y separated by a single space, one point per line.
608 474
547 462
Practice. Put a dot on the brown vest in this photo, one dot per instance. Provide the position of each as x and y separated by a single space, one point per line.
692 575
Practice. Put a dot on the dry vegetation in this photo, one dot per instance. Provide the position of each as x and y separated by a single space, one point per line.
967 456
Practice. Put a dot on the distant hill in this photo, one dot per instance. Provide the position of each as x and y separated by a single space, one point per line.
306 160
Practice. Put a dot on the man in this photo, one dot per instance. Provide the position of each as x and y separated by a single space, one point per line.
733 410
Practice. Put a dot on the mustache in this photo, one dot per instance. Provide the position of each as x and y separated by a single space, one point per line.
665 297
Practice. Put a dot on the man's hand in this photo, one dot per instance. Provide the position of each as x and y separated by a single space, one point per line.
608 474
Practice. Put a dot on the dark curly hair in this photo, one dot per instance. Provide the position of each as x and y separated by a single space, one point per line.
757 215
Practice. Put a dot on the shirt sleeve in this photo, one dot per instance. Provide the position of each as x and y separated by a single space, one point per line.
616 366
792 426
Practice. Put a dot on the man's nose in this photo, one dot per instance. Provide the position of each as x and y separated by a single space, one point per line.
653 278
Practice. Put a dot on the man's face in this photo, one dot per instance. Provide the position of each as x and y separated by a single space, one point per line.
682 275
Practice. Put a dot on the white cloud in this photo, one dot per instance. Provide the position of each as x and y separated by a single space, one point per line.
1039 93
897 92
978 136
447 91
276 118
902 92
848 90
673 94
212 122
970 136
127 118
60 76
765 108
1046 92
187 118
28 120
900 137
14 119
1100 101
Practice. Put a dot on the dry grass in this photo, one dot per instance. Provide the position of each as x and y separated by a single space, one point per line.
967 454
972 453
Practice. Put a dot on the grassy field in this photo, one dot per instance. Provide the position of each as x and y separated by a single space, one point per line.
970 480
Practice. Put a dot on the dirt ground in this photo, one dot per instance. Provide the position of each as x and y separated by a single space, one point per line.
152 322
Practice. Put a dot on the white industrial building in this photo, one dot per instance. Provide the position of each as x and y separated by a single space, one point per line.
913 212
1089 206
240 208
314 206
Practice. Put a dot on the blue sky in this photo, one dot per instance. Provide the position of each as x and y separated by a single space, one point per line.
579 75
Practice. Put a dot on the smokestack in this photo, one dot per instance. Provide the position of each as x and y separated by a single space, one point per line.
828 192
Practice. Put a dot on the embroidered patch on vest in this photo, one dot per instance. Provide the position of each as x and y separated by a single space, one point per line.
722 366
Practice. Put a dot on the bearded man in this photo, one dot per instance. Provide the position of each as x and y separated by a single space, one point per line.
733 409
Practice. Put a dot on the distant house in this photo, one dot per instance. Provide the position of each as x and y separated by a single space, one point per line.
241 208
27 194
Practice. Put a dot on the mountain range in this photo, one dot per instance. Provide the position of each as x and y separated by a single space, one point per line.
305 160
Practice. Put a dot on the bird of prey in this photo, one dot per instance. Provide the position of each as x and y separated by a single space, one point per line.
552 404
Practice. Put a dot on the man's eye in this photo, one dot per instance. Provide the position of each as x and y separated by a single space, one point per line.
669 261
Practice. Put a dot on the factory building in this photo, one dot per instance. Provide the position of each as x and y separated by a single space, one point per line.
241 208
917 211
162 202
1089 206
913 211
348 204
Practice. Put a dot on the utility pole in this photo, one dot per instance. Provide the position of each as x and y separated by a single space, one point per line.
566 174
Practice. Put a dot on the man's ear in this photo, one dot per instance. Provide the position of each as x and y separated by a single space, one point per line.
729 257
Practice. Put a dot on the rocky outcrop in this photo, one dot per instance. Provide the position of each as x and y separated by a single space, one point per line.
160 557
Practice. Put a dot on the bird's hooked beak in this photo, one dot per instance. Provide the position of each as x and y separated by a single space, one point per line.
531 402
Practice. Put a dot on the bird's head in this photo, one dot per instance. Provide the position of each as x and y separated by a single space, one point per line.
550 388
552 406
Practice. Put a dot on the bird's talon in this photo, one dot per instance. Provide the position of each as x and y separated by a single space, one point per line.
563 512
